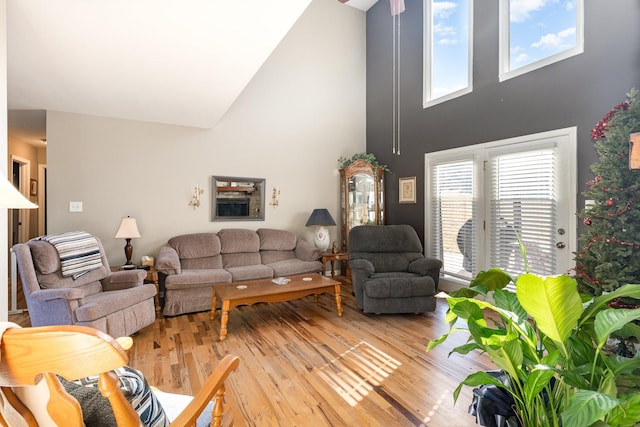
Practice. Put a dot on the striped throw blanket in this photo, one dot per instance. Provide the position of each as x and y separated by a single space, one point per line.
79 252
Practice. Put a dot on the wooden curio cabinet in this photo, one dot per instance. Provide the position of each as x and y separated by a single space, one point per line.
361 197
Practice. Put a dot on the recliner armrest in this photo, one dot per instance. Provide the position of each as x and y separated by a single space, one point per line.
424 266
363 265
168 261
123 280
61 293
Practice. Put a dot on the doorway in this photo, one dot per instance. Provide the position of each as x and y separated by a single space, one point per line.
19 223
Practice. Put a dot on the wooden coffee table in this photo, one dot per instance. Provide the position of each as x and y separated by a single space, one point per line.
246 293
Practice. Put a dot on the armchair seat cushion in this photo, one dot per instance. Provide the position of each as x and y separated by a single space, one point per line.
399 285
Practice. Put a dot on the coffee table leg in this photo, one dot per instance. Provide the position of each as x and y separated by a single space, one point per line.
224 319
214 302
338 300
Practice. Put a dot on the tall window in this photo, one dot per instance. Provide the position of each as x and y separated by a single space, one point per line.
534 34
447 49
484 202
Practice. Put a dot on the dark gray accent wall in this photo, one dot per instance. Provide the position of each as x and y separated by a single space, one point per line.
578 91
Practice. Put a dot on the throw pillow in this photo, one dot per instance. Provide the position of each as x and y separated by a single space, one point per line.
97 410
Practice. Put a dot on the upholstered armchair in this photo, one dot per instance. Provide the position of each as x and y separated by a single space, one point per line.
117 303
389 272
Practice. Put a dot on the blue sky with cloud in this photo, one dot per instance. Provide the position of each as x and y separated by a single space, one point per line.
539 28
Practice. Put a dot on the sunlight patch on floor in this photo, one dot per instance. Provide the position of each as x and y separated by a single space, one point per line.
356 371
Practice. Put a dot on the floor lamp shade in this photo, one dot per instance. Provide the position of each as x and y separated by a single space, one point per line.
11 198
321 218
128 230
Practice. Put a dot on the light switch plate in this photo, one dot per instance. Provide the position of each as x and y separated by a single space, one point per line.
75 206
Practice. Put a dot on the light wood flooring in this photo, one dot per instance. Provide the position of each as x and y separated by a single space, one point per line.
302 365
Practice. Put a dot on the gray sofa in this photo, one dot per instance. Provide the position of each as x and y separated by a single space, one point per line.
189 265
389 272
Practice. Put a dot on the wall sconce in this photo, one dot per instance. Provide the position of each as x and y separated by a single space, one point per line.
274 197
195 198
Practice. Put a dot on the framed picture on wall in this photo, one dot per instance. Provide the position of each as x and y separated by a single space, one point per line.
407 189
34 187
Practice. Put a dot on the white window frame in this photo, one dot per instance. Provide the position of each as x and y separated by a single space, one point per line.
505 46
427 58
478 154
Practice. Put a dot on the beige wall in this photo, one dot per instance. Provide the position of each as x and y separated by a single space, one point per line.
303 110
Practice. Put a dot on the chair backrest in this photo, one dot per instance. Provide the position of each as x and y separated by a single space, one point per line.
387 247
29 355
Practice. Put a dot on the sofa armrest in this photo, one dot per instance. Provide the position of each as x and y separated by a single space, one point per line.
168 261
123 280
362 265
306 251
61 293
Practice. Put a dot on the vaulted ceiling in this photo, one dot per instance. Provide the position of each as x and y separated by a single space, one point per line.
176 62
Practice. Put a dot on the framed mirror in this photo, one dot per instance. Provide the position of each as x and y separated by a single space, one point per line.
236 198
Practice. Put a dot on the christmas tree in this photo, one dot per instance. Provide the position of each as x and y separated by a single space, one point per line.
610 246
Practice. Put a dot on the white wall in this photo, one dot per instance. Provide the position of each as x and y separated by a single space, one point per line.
302 110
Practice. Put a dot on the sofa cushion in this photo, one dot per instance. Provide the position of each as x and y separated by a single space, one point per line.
197 245
276 240
197 278
268 257
250 272
241 259
45 257
290 267
238 240
214 262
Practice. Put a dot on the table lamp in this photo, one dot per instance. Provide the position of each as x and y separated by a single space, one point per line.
321 218
128 230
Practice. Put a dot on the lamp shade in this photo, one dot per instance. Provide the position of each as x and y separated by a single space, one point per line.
11 198
320 217
128 229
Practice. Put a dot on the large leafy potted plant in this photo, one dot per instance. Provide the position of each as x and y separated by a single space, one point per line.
553 346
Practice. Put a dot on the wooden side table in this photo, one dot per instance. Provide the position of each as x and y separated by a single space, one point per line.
331 257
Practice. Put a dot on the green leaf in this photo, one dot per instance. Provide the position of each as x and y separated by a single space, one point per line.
600 303
466 348
537 380
585 407
476 379
610 320
627 413
509 301
553 303
492 279
508 357
464 292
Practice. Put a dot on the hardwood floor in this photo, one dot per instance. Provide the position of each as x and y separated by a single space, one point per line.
302 365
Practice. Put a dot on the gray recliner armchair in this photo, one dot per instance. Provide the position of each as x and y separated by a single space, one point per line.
389 272
117 303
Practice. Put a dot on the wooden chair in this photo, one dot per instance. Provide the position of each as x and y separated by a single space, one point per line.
28 355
